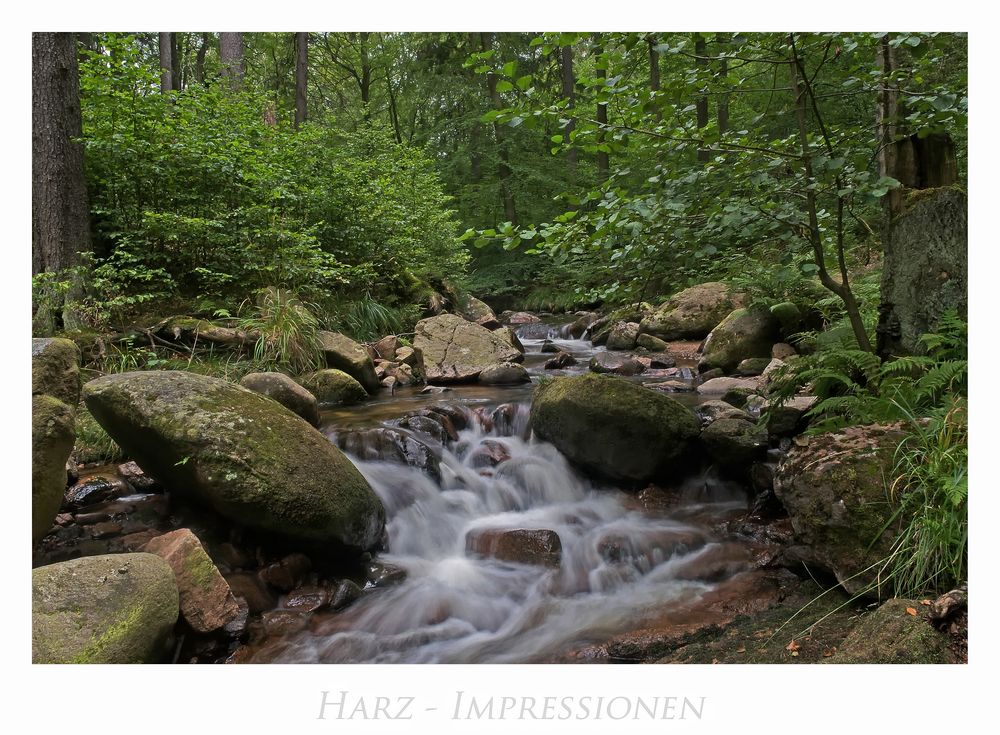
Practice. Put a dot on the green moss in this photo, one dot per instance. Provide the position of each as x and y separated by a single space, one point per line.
124 628
201 569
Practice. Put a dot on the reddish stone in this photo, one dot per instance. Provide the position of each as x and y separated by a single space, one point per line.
286 574
520 545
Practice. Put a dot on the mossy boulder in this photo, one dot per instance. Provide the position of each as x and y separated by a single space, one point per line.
892 634
472 309
693 312
52 436
835 487
333 387
733 444
622 336
505 373
248 457
343 353
613 427
55 369
110 609
279 387
651 343
789 317
744 333
456 350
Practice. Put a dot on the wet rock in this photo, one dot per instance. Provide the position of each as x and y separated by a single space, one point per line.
788 418
518 545
605 362
506 373
52 437
782 351
232 557
286 574
522 317
55 369
347 592
343 353
489 453
693 312
646 549
92 489
548 346
712 374
138 479
661 361
105 529
284 622
433 390
752 366
749 332
733 444
390 383
456 350
392 445
458 416
891 635
613 427
206 601
238 625
715 563
622 336
511 419
250 588
833 486
308 599
115 608
279 387
651 343
381 574
719 386
138 540
710 411
429 426
509 336
560 361
672 386
445 419
252 460
333 387
584 320
387 347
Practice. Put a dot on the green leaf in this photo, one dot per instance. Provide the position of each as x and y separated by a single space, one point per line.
504 86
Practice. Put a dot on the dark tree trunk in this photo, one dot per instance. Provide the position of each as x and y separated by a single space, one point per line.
701 102
231 55
722 111
301 77
166 62
175 63
365 81
654 65
393 109
60 223
503 169
603 164
569 93
199 60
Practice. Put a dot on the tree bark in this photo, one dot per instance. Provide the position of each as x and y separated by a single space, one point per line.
503 169
166 62
301 77
199 60
569 93
603 164
722 109
60 220
701 102
231 55
175 62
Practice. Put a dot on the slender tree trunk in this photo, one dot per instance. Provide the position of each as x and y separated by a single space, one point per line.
365 81
60 220
166 62
231 55
301 77
603 164
654 67
175 61
393 109
722 110
569 93
503 169
199 60
701 102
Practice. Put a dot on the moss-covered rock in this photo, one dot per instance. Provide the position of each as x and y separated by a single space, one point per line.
789 317
52 438
835 489
110 609
612 427
246 456
693 312
343 353
55 369
744 333
734 444
279 387
622 336
892 634
472 309
456 350
504 373
651 343
333 387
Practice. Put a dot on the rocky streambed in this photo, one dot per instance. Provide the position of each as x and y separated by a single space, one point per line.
576 502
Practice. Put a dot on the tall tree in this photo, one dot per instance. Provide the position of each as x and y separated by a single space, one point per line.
569 93
167 45
701 101
60 225
301 76
722 109
231 55
199 60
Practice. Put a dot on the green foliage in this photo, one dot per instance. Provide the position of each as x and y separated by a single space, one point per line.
369 320
287 332
93 445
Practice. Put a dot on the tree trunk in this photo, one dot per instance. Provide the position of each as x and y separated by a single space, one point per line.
603 165
60 221
175 61
503 169
301 77
166 62
231 55
199 60
569 93
701 102
722 110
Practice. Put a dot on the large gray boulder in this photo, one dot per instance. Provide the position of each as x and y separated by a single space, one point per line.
926 268
693 312
52 437
333 387
110 609
343 353
251 459
613 427
55 369
279 387
749 332
835 487
456 350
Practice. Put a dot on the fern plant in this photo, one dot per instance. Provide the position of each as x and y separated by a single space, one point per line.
287 332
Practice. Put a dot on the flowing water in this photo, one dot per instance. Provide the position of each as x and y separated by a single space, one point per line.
620 562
